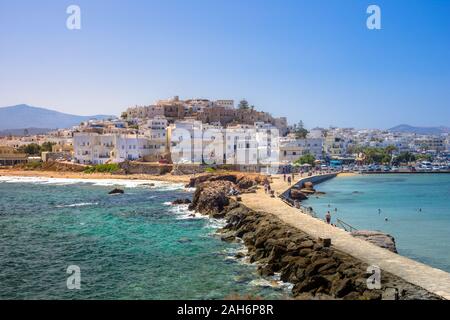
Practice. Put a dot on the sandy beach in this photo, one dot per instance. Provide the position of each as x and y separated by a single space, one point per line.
81 175
347 174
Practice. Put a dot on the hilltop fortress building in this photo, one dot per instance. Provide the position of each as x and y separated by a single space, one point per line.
221 112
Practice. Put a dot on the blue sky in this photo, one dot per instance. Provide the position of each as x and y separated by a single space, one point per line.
304 59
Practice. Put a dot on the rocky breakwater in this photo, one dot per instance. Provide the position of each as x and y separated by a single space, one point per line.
316 271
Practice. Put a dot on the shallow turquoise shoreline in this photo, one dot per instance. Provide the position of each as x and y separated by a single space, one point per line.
131 246
417 209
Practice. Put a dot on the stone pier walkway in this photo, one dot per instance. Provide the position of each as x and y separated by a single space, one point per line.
434 280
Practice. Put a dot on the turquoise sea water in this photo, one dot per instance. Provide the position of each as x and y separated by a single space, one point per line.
423 235
131 246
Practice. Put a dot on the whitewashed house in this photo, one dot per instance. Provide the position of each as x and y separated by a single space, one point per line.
95 148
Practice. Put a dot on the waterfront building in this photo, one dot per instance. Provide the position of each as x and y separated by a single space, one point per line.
186 141
156 130
241 146
432 144
9 156
97 148
335 145
292 149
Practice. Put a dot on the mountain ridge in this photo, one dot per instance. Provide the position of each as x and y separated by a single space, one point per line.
26 116
406 128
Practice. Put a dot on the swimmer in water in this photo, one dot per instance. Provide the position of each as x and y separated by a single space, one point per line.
420 209
386 219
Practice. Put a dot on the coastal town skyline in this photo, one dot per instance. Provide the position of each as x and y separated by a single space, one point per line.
275 57
309 126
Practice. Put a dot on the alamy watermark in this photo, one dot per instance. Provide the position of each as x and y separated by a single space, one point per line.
74 280
234 146
73 21
374 280
374 20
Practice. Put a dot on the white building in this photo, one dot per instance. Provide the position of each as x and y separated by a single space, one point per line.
292 149
213 144
133 147
335 145
156 131
186 144
95 148
433 144
241 146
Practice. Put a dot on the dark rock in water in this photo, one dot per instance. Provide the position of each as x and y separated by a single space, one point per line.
298 195
243 279
308 185
117 191
184 240
379 239
181 201
149 184
240 255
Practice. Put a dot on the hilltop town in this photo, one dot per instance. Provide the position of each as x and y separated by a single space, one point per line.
209 133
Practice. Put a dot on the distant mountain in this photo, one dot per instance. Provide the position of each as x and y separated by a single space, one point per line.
24 116
420 130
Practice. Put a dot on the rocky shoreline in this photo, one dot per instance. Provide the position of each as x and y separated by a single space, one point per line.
316 270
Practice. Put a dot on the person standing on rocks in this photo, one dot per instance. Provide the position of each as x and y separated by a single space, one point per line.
328 217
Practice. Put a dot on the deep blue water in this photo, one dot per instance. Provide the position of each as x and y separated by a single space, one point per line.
417 208
131 246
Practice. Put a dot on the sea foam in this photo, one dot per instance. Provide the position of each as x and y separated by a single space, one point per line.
160 185
74 205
